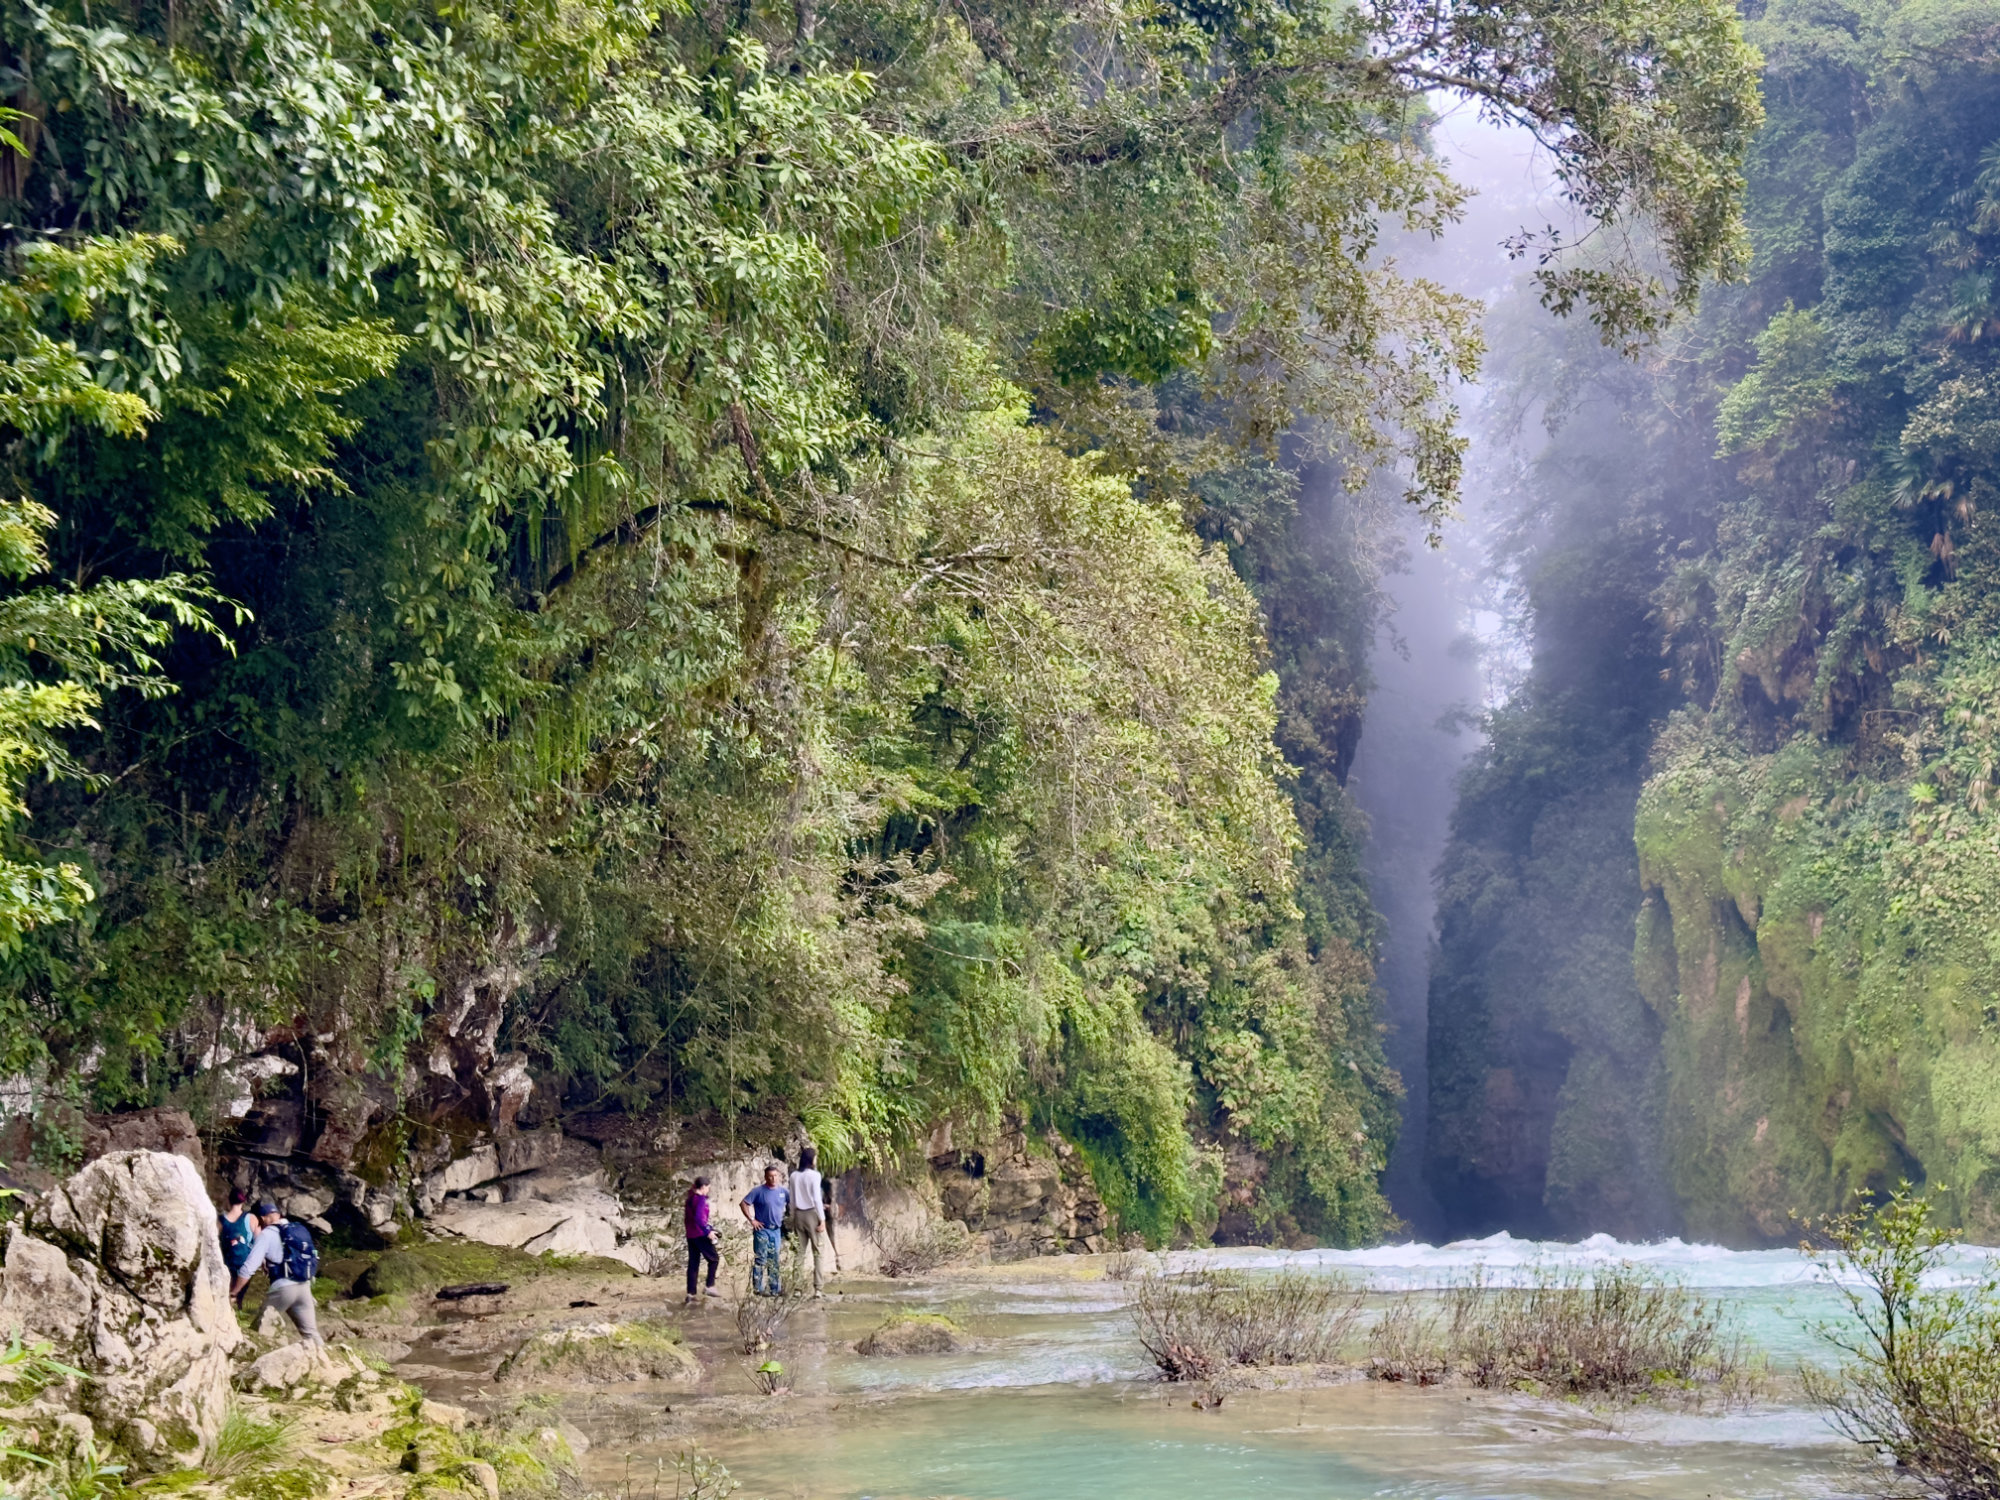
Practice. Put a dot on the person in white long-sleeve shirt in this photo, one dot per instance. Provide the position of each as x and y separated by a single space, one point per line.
811 1216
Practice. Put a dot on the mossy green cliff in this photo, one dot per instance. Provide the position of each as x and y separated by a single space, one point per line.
1787 521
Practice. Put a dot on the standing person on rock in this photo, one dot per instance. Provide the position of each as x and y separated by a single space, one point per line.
811 1218
700 1236
286 1252
765 1208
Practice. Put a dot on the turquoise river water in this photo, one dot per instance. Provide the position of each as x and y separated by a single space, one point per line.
1056 1401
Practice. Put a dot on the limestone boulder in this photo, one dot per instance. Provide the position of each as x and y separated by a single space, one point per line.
582 1221
119 1268
142 1130
535 1164
285 1368
298 1365
913 1333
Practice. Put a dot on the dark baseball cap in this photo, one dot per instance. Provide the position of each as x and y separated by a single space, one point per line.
265 1208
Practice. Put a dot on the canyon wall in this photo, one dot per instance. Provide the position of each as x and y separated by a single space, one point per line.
1718 913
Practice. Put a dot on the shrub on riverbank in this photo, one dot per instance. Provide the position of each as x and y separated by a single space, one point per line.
1406 1346
1197 1327
1608 1331
924 1248
1921 1380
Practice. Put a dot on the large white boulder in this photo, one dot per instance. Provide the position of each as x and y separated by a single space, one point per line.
121 1271
583 1221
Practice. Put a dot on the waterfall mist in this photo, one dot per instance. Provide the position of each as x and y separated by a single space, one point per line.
1439 648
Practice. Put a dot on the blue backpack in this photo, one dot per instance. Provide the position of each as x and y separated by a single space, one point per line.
236 1238
301 1255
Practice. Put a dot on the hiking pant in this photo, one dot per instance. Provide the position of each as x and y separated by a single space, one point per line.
295 1300
809 1232
702 1248
765 1244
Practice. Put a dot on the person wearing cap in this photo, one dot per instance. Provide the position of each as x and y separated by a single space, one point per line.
289 1294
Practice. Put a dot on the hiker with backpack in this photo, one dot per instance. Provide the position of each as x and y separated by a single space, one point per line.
285 1251
237 1227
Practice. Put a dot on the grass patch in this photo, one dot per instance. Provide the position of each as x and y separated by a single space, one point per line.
246 1444
297 1483
421 1269
1200 1326
1610 1331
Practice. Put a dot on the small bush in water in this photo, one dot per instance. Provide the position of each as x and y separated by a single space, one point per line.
1921 1378
760 1320
1406 1345
1603 1331
1199 1326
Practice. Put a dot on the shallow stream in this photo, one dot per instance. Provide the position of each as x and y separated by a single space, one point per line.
1056 1401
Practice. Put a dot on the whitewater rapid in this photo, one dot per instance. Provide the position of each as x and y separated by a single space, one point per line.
1507 1261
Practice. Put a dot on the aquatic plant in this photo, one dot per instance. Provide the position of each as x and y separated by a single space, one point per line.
1128 1265
1199 1326
688 1475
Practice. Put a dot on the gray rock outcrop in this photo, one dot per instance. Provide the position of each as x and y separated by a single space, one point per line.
120 1270
1020 1199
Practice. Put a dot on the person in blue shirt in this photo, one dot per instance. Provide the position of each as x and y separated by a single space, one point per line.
765 1207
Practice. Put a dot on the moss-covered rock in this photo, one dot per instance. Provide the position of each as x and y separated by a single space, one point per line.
1828 1029
603 1352
419 1270
914 1333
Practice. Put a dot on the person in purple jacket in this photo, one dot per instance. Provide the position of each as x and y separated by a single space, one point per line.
700 1236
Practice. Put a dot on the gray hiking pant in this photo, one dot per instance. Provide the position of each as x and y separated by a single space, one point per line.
808 1226
295 1300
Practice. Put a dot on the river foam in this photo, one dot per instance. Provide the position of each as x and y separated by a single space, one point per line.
1507 1261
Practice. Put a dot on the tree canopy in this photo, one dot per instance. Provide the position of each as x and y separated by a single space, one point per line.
703 520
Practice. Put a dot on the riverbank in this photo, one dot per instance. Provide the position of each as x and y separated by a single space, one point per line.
1045 1391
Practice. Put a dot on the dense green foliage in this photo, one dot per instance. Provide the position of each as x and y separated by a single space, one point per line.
1815 835
721 504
